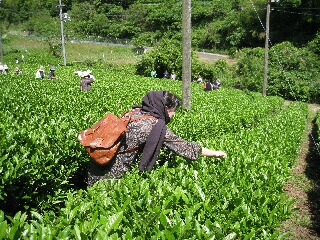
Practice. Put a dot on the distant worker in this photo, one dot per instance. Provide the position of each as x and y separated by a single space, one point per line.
153 73
199 80
51 73
216 84
173 76
78 72
207 86
238 85
166 74
4 69
86 80
40 73
17 71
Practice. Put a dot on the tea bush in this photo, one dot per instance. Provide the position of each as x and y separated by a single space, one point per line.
43 191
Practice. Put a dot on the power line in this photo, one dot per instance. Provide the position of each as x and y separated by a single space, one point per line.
298 8
299 13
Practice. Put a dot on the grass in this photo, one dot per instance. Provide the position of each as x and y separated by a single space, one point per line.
81 51
75 51
118 55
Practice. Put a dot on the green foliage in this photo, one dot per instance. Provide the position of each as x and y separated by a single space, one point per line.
314 45
217 25
296 72
167 55
237 197
293 72
43 25
250 69
55 48
89 22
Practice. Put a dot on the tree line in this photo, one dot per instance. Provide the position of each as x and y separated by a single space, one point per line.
216 25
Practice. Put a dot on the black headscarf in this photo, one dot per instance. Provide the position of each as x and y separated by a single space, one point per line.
153 103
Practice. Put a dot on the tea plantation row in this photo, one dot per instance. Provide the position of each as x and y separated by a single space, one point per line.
43 194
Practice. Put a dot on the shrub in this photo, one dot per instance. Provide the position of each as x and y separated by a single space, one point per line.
250 69
314 45
292 72
167 55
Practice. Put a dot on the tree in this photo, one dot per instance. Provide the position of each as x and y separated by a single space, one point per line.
293 72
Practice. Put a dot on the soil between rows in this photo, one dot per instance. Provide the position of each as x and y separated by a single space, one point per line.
304 187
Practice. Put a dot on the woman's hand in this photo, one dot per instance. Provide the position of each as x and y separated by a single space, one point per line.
212 153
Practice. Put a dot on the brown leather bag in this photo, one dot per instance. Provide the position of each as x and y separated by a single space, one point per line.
103 139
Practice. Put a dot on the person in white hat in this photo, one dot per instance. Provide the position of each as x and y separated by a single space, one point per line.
4 68
86 80
78 72
40 73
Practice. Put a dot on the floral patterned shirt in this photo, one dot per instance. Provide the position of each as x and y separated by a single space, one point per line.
136 136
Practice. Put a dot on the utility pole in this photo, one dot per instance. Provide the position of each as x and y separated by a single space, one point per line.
186 54
1 52
266 49
62 35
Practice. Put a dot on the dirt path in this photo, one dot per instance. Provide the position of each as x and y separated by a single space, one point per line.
213 57
304 187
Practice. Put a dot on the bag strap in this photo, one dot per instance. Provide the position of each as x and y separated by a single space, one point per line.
133 120
131 113
141 117
130 150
